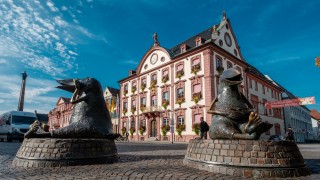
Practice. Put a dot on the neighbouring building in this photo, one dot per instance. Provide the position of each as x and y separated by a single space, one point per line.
111 96
315 119
60 115
176 86
299 119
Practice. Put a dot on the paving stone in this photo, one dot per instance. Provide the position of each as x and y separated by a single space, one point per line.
142 160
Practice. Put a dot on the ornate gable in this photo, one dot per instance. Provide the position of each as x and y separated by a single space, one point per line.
224 37
155 57
63 100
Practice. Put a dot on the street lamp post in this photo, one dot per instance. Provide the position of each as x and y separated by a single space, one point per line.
172 126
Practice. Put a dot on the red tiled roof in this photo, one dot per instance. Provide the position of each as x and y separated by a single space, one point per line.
315 114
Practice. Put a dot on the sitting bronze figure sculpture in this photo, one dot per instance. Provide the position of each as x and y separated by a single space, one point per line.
90 117
233 115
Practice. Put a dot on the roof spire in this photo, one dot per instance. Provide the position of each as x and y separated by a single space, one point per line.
155 40
224 15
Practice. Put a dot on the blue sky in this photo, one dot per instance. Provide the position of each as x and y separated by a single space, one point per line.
58 39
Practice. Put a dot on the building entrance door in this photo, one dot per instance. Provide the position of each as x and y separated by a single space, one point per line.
153 128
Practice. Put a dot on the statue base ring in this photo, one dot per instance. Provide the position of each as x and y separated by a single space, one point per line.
51 152
247 158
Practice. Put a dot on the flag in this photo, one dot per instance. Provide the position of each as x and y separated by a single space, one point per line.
112 105
108 105
291 102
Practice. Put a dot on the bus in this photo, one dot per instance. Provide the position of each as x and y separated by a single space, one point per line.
14 124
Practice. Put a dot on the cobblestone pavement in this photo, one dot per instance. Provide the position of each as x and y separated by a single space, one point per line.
137 161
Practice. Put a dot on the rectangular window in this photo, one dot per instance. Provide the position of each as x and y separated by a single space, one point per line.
133 123
264 101
272 93
125 105
198 43
250 83
143 101
183 49
218 61
154 101
166 96
180 92
165 121
263 89
255 102
180 120
143 123
229 65
256 85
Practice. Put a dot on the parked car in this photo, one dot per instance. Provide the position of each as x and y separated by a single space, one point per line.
277 138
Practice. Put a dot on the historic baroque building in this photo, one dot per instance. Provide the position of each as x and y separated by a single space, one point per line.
180 83
60 115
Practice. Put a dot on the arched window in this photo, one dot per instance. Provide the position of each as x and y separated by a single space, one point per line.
180 67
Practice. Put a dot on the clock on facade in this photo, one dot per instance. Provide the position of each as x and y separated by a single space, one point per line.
154 58
227 38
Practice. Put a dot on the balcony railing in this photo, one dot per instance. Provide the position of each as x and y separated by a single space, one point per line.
153 109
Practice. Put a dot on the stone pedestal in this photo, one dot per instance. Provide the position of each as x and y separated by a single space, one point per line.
247 158
49 152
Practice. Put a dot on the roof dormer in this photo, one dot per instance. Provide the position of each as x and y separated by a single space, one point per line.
199 41
183 48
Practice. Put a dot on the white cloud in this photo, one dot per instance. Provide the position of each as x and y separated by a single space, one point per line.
63 8
3 61
36 94
28 34
52 7
131 62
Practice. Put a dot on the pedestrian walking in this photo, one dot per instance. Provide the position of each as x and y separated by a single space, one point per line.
289 134
204 128
127 136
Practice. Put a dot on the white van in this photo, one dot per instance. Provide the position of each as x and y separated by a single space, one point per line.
14 124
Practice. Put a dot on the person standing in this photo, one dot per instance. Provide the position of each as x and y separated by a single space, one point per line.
127 136
289 134
204 128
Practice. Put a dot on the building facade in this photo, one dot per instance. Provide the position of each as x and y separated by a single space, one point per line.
315 119
299 119
111 96
175 87
60 115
